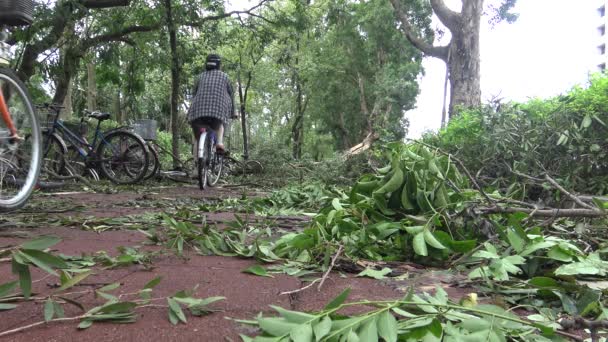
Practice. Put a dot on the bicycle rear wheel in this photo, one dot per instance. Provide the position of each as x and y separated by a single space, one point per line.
153 162
204 154
54 152
216 166
122 157
20 159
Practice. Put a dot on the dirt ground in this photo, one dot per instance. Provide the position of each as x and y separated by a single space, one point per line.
246 295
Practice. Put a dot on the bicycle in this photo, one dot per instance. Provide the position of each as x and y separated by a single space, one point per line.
121 156
209 162
20 135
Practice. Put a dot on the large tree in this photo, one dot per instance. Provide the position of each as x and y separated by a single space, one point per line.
461 54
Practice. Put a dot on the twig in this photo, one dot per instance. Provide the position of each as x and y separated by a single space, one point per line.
523 175
301 289
546 212
581 323
570 195
333 263
25 327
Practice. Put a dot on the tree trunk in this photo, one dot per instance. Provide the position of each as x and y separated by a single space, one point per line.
464 61
91 87
174 82
66 112
117 108
243 112
461 55
297 128
344 140
69 65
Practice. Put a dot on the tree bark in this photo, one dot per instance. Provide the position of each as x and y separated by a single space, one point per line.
174 81
66 112
117 108
461 55
297 127
464 62
91 87
243 112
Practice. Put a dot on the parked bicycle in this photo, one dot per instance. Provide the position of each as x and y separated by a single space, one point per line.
121 156
20 138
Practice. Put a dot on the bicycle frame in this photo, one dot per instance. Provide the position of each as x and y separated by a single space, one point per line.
4 113
75 139
6 116
202 139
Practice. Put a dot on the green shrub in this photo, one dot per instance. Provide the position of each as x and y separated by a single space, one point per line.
564 137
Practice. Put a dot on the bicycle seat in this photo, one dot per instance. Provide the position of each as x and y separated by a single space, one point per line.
99 116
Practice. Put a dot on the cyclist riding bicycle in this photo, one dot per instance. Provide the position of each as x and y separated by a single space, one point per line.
213 102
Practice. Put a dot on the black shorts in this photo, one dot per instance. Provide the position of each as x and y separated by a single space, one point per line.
207 122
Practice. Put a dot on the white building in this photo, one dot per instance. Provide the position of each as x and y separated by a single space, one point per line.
603 37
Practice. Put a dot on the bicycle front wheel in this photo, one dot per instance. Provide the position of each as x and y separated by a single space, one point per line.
123 157
20 157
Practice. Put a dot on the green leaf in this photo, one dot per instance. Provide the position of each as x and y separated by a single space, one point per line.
109 287
49 310
121 307
516 240
85 324
302 333
258 270
322 328
58 310
336 204
276 326
413 230
431 240
40 243
387 326
7 306
294 316
152 283
73 281
336 302
43 260
586 121
369 331
420 244
370 272
25 278
177 310
7 288
173 317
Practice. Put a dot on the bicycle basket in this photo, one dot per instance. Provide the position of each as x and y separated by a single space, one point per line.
45 116
145 128
16 12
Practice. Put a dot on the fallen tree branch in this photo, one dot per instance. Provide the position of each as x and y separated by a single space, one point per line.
581 323
570 195
590 213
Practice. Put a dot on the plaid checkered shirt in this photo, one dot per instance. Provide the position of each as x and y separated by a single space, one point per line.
213 97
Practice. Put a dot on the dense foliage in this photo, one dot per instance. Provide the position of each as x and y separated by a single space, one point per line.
564 137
